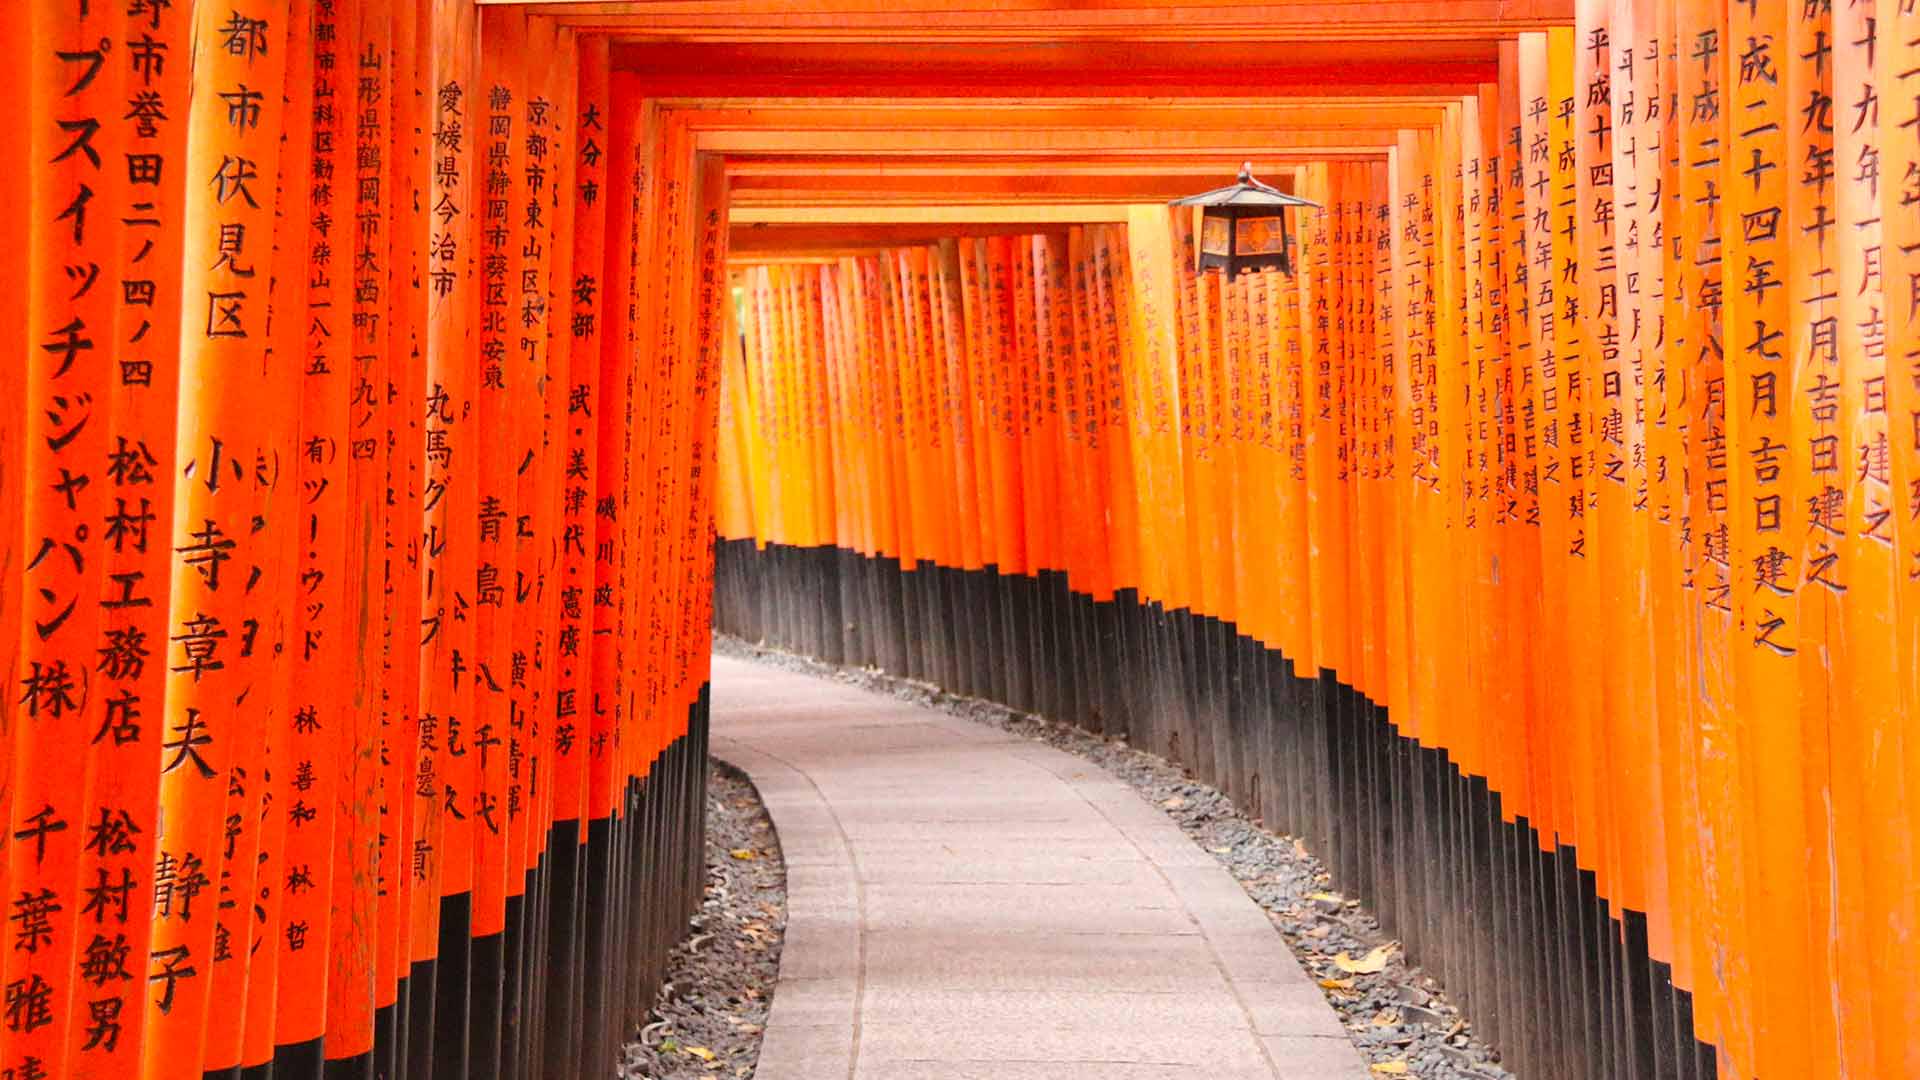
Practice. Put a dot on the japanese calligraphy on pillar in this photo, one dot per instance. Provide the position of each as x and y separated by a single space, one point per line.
225 475
77 156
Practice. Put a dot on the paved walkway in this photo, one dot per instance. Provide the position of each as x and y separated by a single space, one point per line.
965 905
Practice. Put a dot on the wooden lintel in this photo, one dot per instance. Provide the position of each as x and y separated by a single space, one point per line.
1001 214
881 20
782 243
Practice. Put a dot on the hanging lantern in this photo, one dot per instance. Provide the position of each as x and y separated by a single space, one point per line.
1243 226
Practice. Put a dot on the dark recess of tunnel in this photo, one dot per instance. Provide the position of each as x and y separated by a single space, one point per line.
1548 971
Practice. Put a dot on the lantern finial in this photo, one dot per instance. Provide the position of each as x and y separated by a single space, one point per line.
1246 172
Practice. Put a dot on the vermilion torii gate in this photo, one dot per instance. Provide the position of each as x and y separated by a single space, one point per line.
1544 550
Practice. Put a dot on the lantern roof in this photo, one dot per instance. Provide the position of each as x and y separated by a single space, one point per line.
1247 193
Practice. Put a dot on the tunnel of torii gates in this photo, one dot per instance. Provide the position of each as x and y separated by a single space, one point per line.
1544 552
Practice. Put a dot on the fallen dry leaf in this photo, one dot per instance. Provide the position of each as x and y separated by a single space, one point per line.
1390 1068
1174 803
700 1052
1337 984
743 853
1331 898
1371 964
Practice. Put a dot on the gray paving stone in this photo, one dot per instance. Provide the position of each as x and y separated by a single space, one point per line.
968 809
963 960
1312 1057
1255 956
965 905
1011 832
908 849
1052 1070
816 1003
805 1051
1035 868
1289 1008
1016 1010
1062 909
1045 1038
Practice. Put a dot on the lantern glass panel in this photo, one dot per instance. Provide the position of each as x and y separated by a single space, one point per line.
1259 236
1214 235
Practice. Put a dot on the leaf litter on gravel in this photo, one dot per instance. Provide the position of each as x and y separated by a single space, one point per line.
712 1008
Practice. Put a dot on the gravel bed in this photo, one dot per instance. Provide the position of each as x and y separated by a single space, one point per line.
712 1008
1398 1016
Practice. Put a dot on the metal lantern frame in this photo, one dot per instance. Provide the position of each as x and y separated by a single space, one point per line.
1245 199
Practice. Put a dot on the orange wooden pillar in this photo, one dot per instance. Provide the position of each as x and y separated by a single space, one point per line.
1766 474
408 286
211 756
438 853
589 401
255 849
121 774
1895 81
65 397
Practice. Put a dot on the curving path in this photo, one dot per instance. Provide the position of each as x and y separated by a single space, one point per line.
964 904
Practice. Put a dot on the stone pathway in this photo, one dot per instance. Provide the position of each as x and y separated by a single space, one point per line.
965 905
